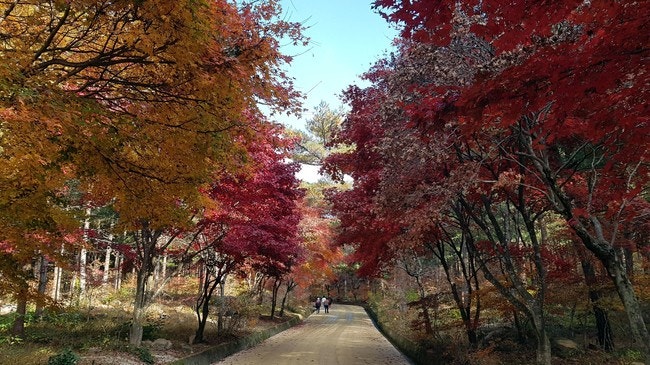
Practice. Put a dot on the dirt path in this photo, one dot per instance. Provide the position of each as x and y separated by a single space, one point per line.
345 336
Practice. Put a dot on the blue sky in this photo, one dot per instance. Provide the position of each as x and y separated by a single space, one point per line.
347 37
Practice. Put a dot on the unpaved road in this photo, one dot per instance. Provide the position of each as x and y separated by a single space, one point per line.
344 336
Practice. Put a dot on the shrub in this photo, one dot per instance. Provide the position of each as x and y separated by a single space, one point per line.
67 357
152 329
237 312
629 355
144 354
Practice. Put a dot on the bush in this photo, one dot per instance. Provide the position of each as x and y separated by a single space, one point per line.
152 329
629 355
237 312
67 357
121 297
144 354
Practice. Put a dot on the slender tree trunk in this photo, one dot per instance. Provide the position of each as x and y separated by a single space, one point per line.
616 270
137 327
83 261
515 289
202 312
291 284
426 317
18 327
590 232
156 271
605 336
83 256
274 296
220 315
164 266
629 260
139 309
284 302
42 285
202 308
261 282
74 282
276 289
56 284
543 353
118 271
463 303
146 242
424 308
520 331
58 276
203 319
644 251
634 312
107 261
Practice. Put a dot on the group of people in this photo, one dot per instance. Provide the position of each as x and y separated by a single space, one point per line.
325 302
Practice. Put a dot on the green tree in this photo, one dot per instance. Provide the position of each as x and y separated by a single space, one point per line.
317 143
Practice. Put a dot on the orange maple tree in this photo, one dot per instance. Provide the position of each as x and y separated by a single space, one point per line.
139 101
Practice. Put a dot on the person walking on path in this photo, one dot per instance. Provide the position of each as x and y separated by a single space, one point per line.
317 305
326 304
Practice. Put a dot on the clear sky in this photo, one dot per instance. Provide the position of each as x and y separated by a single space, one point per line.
347 37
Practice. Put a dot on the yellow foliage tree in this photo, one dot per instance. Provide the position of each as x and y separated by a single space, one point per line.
139 100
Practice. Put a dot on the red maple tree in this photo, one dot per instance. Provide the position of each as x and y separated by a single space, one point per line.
539 108
253 220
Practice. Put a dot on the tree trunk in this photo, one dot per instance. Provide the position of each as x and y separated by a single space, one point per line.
426 317
18 327
220 315
164 266
42 285
58 273
515 288
283 304
83 260
156 271
543 352
137 326
616 270
74 282
629 261
147 251
200 330
634 312
107 261
468 270
202 313
139 309
605 337
56 284
202 307
274 295
290 286
590 232
520 331
118 271
261 282
83 256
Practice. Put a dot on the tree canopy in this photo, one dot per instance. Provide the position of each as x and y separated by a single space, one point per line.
487 119
139 103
